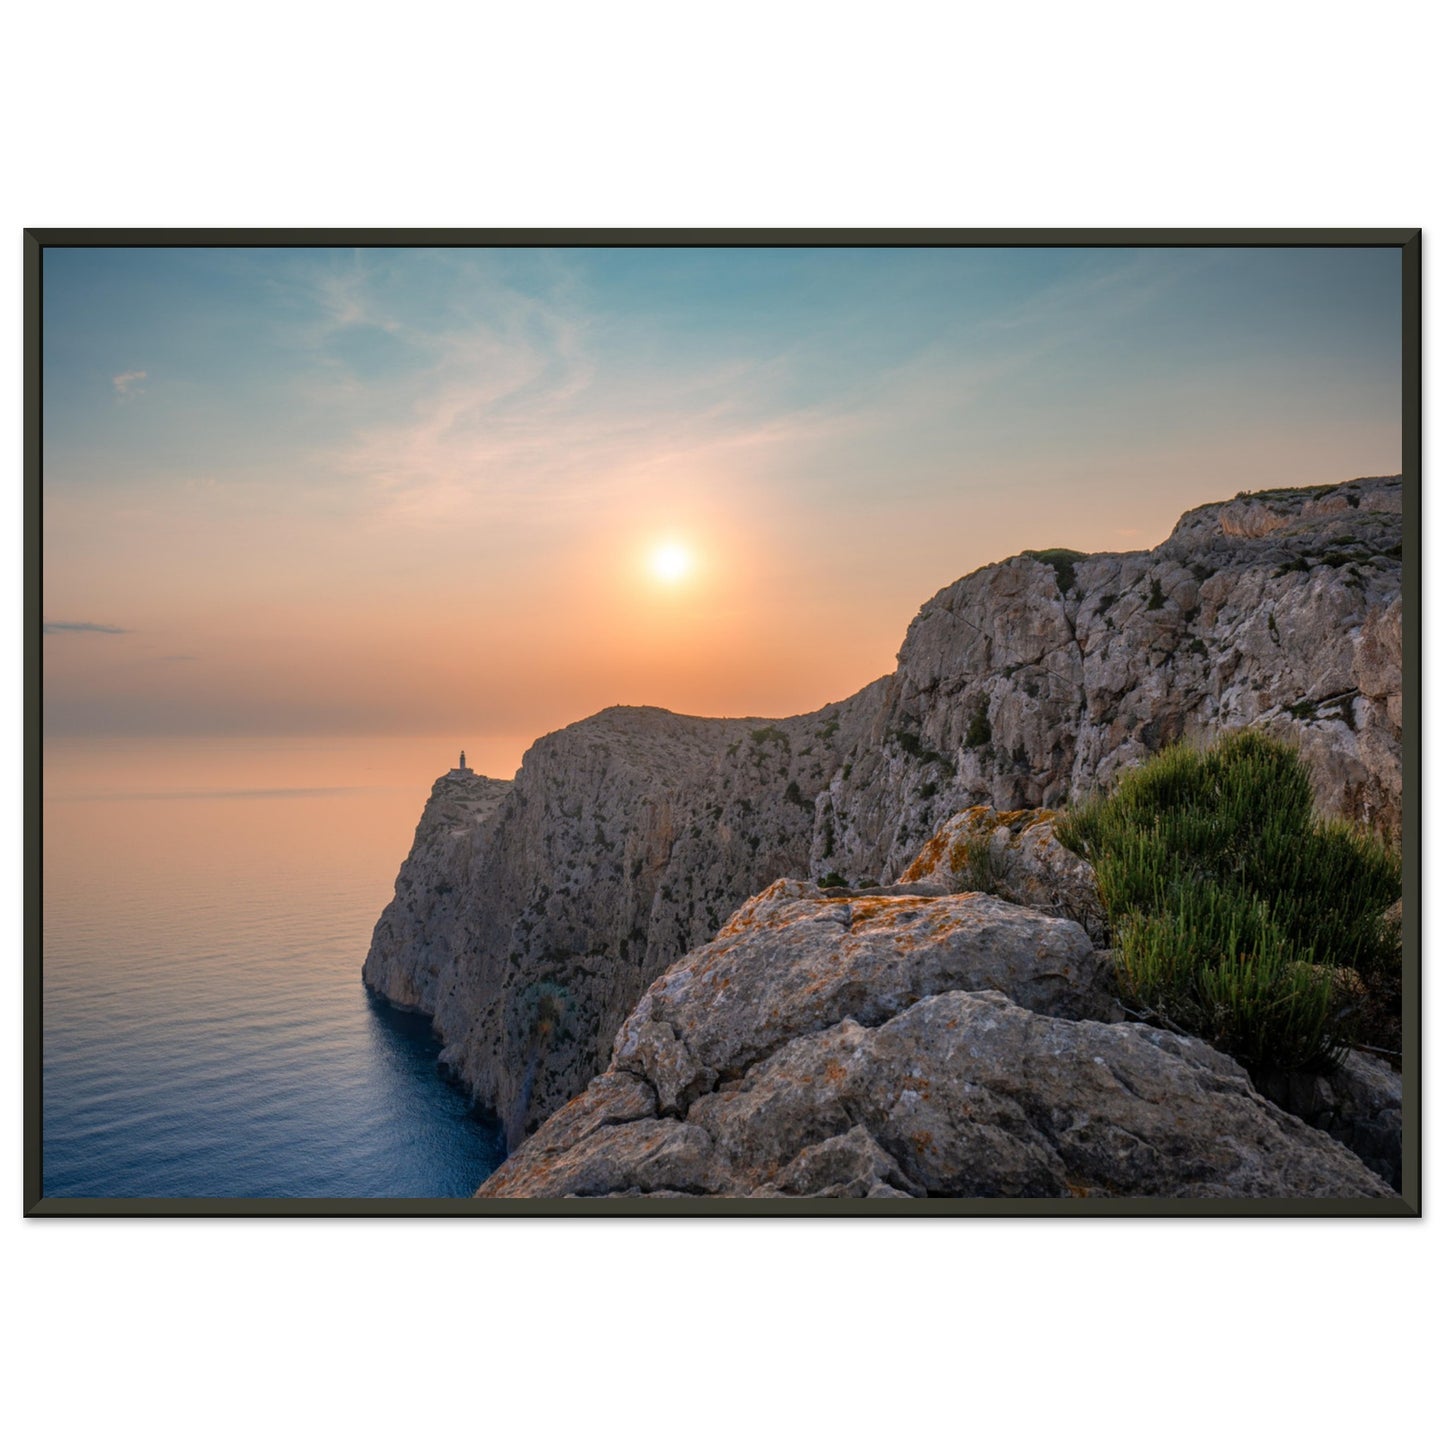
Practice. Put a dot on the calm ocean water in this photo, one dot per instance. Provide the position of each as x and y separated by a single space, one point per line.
207 908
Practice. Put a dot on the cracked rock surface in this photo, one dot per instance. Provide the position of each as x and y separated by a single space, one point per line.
868 1046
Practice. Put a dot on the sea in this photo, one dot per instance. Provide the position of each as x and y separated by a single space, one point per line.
207 906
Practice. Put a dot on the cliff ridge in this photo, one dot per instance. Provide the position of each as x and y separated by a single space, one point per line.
531 916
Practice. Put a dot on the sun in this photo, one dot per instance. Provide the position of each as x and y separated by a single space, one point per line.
670 562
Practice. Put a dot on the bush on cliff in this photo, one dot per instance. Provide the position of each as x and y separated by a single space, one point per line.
1062 560
1237 914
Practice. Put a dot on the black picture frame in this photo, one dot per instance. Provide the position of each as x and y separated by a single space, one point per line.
1409 1204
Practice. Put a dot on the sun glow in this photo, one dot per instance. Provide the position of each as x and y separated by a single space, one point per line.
670 562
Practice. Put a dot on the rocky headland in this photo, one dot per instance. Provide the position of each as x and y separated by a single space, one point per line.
533 919
876 1047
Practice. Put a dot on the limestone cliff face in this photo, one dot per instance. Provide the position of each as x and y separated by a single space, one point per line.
530 932
1027 683
420 933
625 839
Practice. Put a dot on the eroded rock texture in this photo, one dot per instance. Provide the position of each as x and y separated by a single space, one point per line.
877 1047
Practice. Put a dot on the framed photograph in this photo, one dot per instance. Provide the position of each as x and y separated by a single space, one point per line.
777 723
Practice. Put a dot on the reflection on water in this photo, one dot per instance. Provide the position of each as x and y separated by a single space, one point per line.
207 908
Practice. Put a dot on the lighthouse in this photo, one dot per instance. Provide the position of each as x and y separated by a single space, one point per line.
462 765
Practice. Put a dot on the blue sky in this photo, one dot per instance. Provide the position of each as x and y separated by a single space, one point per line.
297 471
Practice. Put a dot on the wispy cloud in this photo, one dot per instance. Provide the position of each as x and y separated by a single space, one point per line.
468 387
514 422
84 627
464 455
128 383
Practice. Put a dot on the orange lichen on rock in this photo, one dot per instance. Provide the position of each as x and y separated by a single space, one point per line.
926 861
879 910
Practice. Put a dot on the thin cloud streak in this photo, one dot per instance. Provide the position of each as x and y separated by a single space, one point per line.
518 428
518 425
127 383
53 627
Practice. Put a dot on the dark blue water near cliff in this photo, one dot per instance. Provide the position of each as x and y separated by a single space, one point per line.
206 1031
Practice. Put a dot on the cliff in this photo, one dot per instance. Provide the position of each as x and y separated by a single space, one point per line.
530 930
420 933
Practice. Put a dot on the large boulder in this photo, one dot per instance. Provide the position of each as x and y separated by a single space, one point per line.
829 1045
795 960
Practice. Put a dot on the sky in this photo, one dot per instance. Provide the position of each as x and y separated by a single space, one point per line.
423 492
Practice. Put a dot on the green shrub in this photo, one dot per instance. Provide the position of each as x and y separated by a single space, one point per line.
1238 915
981 872
1062 560
912 744
1295 564
980 733
832 880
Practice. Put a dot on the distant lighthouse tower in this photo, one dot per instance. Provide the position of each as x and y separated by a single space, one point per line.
462 765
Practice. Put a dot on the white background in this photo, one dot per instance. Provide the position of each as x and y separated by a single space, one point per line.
1048 114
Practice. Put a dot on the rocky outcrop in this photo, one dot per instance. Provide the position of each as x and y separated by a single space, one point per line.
422 933
627 839
1017 856
1014 856
795 959
856 1046
1031 681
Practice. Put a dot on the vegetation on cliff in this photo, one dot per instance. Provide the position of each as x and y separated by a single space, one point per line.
1237 914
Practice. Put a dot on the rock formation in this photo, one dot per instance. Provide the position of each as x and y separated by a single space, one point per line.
1014 856
626 840
420 934
867 1046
